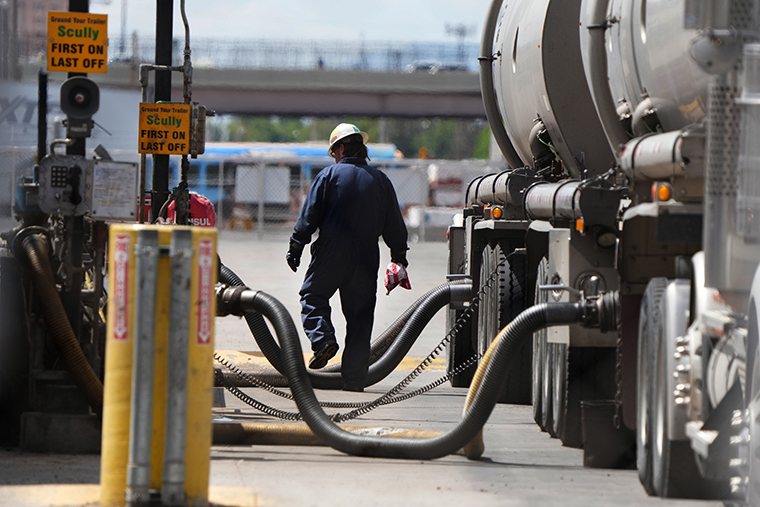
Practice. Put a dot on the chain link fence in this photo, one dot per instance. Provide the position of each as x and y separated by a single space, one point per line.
15 163
261 196
264 196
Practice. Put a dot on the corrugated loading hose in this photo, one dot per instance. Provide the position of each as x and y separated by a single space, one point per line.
483 400
36 248
395 342
267 344
244 433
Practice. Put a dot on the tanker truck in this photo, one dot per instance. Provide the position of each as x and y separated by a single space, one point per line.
631 133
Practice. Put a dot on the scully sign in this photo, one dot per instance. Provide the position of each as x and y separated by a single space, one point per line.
164 129
77 42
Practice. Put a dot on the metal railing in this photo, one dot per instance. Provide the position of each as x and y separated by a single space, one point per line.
379 56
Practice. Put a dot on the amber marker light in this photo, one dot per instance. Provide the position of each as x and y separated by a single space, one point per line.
661 192
497 212
664 193
579 225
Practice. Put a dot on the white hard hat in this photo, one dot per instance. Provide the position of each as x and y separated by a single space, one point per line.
344 130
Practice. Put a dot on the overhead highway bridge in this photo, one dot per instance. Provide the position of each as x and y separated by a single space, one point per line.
264 92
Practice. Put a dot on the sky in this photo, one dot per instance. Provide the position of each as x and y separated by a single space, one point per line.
376 20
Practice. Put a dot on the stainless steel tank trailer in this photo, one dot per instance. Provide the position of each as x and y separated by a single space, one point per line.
630 132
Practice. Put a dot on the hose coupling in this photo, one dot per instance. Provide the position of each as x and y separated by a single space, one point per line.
601 311
16 242
228 300
461 291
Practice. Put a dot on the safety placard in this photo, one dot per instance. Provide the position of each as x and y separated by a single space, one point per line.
77 42
164 128
121 287
205 290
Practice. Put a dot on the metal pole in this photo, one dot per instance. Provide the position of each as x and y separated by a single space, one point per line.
71 296
78 146
42 109
173 492
220 198
164 20
141 412
260 216
144 71
13 180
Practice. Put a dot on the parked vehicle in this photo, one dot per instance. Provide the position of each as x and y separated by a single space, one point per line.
630 127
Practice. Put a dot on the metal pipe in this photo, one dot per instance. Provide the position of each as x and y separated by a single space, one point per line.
658 156
220 199
163 92
260 180
181 252
187 66
553 200
144 70
487 90
42 110
141 413
598 79
482 191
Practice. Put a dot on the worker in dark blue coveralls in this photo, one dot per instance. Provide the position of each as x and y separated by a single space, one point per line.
352 204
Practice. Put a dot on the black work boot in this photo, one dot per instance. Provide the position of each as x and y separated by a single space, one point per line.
323 355
357 387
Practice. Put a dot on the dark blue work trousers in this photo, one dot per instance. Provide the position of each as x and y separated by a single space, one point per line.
351 269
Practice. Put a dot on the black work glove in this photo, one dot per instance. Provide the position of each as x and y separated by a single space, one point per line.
293 257
399 257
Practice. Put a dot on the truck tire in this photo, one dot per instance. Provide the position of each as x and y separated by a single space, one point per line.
753 405
536 379
675 473
547 374
485 327
539 349
559 388
507 301
459 350
648 325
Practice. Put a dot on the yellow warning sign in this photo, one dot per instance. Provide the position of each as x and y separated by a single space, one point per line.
77 42
164 128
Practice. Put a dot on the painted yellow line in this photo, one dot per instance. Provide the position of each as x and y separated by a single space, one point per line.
256 358
53 495
87 495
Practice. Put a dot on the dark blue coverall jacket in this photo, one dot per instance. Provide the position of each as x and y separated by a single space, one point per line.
352 204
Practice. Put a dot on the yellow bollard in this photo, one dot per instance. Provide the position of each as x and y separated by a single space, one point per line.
119 362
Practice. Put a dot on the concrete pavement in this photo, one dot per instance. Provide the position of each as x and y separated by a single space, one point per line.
521 466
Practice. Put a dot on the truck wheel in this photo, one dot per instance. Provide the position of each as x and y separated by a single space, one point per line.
539 346
559 388
547 414
675 473
507 302
648 324
485 328
753 406
459 350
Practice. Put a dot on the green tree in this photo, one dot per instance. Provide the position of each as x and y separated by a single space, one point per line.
444 138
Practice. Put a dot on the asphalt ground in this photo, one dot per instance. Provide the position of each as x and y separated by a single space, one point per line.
521 465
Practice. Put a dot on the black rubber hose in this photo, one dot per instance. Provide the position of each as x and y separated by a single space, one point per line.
36 248
271 350
440 297
388 350
521 329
